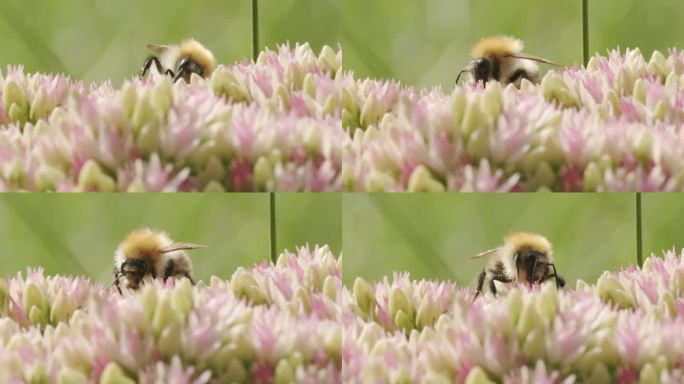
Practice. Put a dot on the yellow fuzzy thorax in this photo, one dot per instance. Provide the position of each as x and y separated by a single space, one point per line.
519 240
191 48
144 244
496 46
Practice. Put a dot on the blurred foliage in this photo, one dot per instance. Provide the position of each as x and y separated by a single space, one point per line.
433 235
427 42
78 233
662 222
97 40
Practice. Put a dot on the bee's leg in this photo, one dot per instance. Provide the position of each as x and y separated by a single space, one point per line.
560 281
169 270
501 278
480 283
459 75
160 68
115 283
189 278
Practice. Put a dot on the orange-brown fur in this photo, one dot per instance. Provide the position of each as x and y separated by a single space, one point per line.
497 46
143 244
193 49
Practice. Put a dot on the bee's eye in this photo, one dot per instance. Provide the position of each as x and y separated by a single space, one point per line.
481 69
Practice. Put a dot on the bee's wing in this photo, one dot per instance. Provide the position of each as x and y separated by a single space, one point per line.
181 246
157 48
533 58
488 253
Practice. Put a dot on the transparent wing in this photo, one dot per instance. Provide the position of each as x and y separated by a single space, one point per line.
533 58
181 246
157 48
489 253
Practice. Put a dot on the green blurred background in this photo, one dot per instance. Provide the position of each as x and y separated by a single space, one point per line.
97 40
427 42
77 233
433 235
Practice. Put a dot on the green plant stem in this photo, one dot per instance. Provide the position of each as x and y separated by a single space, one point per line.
255 29
585 31
640 259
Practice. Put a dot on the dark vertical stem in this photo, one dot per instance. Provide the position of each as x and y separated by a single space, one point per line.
273 225
640 259
585 31
255 29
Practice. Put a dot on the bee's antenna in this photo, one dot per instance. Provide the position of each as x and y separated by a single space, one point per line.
459 75
555 275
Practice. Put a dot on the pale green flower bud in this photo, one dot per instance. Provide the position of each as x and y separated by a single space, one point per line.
148 139
428 311
592 179
38 316
555 88
372 111
472 117
459 102
170 341
639 91
60 309
544 175
661 109
164 315
92 177
329 289
436 378
17 114
149 301
143 113
477 376
41 106
363 293
378 181
328 59
515 303
113 374
648 375
48 177
332 343
313 140
643 145
534 346
309 86
599 375
236 371
214 186
182 298
421 180
12 93
492 100
658 65
129 98
263 172
349 102
284 374
33 297
478 143
70 376
162 95
530 319
399 301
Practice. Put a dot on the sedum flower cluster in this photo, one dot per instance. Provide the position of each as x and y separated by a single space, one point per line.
269 125
612 126
628 328
272 323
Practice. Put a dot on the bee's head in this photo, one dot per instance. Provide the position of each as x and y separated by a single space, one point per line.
532 264
134 270
485 68
186 67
